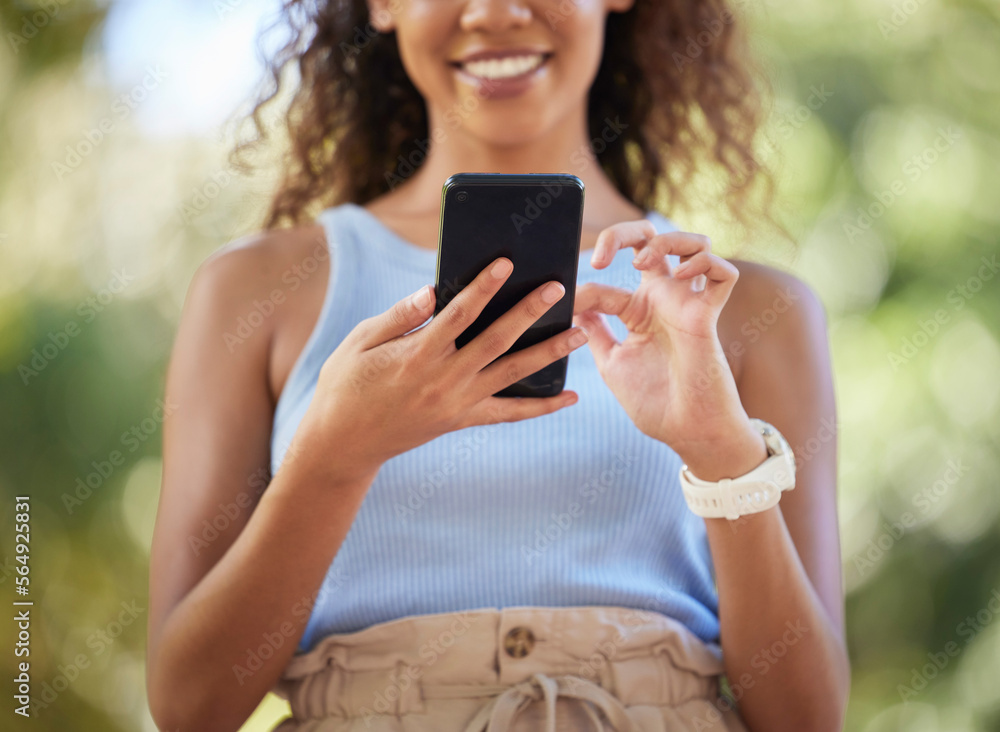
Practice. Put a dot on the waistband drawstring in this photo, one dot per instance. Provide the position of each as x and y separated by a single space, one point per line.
508 701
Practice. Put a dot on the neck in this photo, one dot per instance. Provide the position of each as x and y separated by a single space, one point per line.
563 148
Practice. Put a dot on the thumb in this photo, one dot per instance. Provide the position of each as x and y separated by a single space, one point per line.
401 318
602 339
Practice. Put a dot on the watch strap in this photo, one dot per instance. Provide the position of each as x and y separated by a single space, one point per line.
752 492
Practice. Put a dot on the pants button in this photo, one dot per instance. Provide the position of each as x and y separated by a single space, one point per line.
518 642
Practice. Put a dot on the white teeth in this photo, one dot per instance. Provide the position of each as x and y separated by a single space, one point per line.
504 68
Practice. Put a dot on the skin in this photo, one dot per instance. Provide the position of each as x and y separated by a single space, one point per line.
775 570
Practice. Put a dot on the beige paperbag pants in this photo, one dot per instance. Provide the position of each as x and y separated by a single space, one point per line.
516 669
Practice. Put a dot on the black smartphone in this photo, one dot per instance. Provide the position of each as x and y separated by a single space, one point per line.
535 220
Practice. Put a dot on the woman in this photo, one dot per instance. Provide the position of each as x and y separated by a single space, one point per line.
516 563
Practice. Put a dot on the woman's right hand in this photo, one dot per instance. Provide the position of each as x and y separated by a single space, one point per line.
385 390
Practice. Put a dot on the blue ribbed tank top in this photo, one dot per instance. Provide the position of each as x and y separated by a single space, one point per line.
572 508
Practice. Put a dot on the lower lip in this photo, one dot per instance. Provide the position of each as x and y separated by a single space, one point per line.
503 88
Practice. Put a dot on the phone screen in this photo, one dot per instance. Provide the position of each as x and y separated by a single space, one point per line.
533 219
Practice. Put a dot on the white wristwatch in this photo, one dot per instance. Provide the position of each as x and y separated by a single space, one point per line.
753 492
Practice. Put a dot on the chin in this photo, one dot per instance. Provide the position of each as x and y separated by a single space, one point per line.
507 130
515 121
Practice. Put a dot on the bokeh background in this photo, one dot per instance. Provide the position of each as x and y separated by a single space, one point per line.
115 121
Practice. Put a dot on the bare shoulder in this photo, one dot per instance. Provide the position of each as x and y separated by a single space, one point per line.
261 294
254 264
770 315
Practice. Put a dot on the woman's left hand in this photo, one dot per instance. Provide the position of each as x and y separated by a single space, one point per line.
670 373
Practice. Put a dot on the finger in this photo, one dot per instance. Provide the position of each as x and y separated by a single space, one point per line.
651 258
620 236
602 339
466 306
515 366
720 275
603 298
401 318
493 410
502 333
681 243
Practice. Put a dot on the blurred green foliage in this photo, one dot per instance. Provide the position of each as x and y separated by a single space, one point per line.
887 130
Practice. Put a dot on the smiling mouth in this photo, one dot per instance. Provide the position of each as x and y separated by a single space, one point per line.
510 67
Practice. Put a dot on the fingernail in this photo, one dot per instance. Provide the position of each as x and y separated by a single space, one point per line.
552 292
501 268
423 297
578 338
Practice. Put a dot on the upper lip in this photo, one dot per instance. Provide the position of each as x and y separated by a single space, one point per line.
487 53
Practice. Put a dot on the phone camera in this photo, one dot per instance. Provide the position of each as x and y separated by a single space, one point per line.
461 196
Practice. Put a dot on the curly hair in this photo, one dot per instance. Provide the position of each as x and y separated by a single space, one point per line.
678 71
